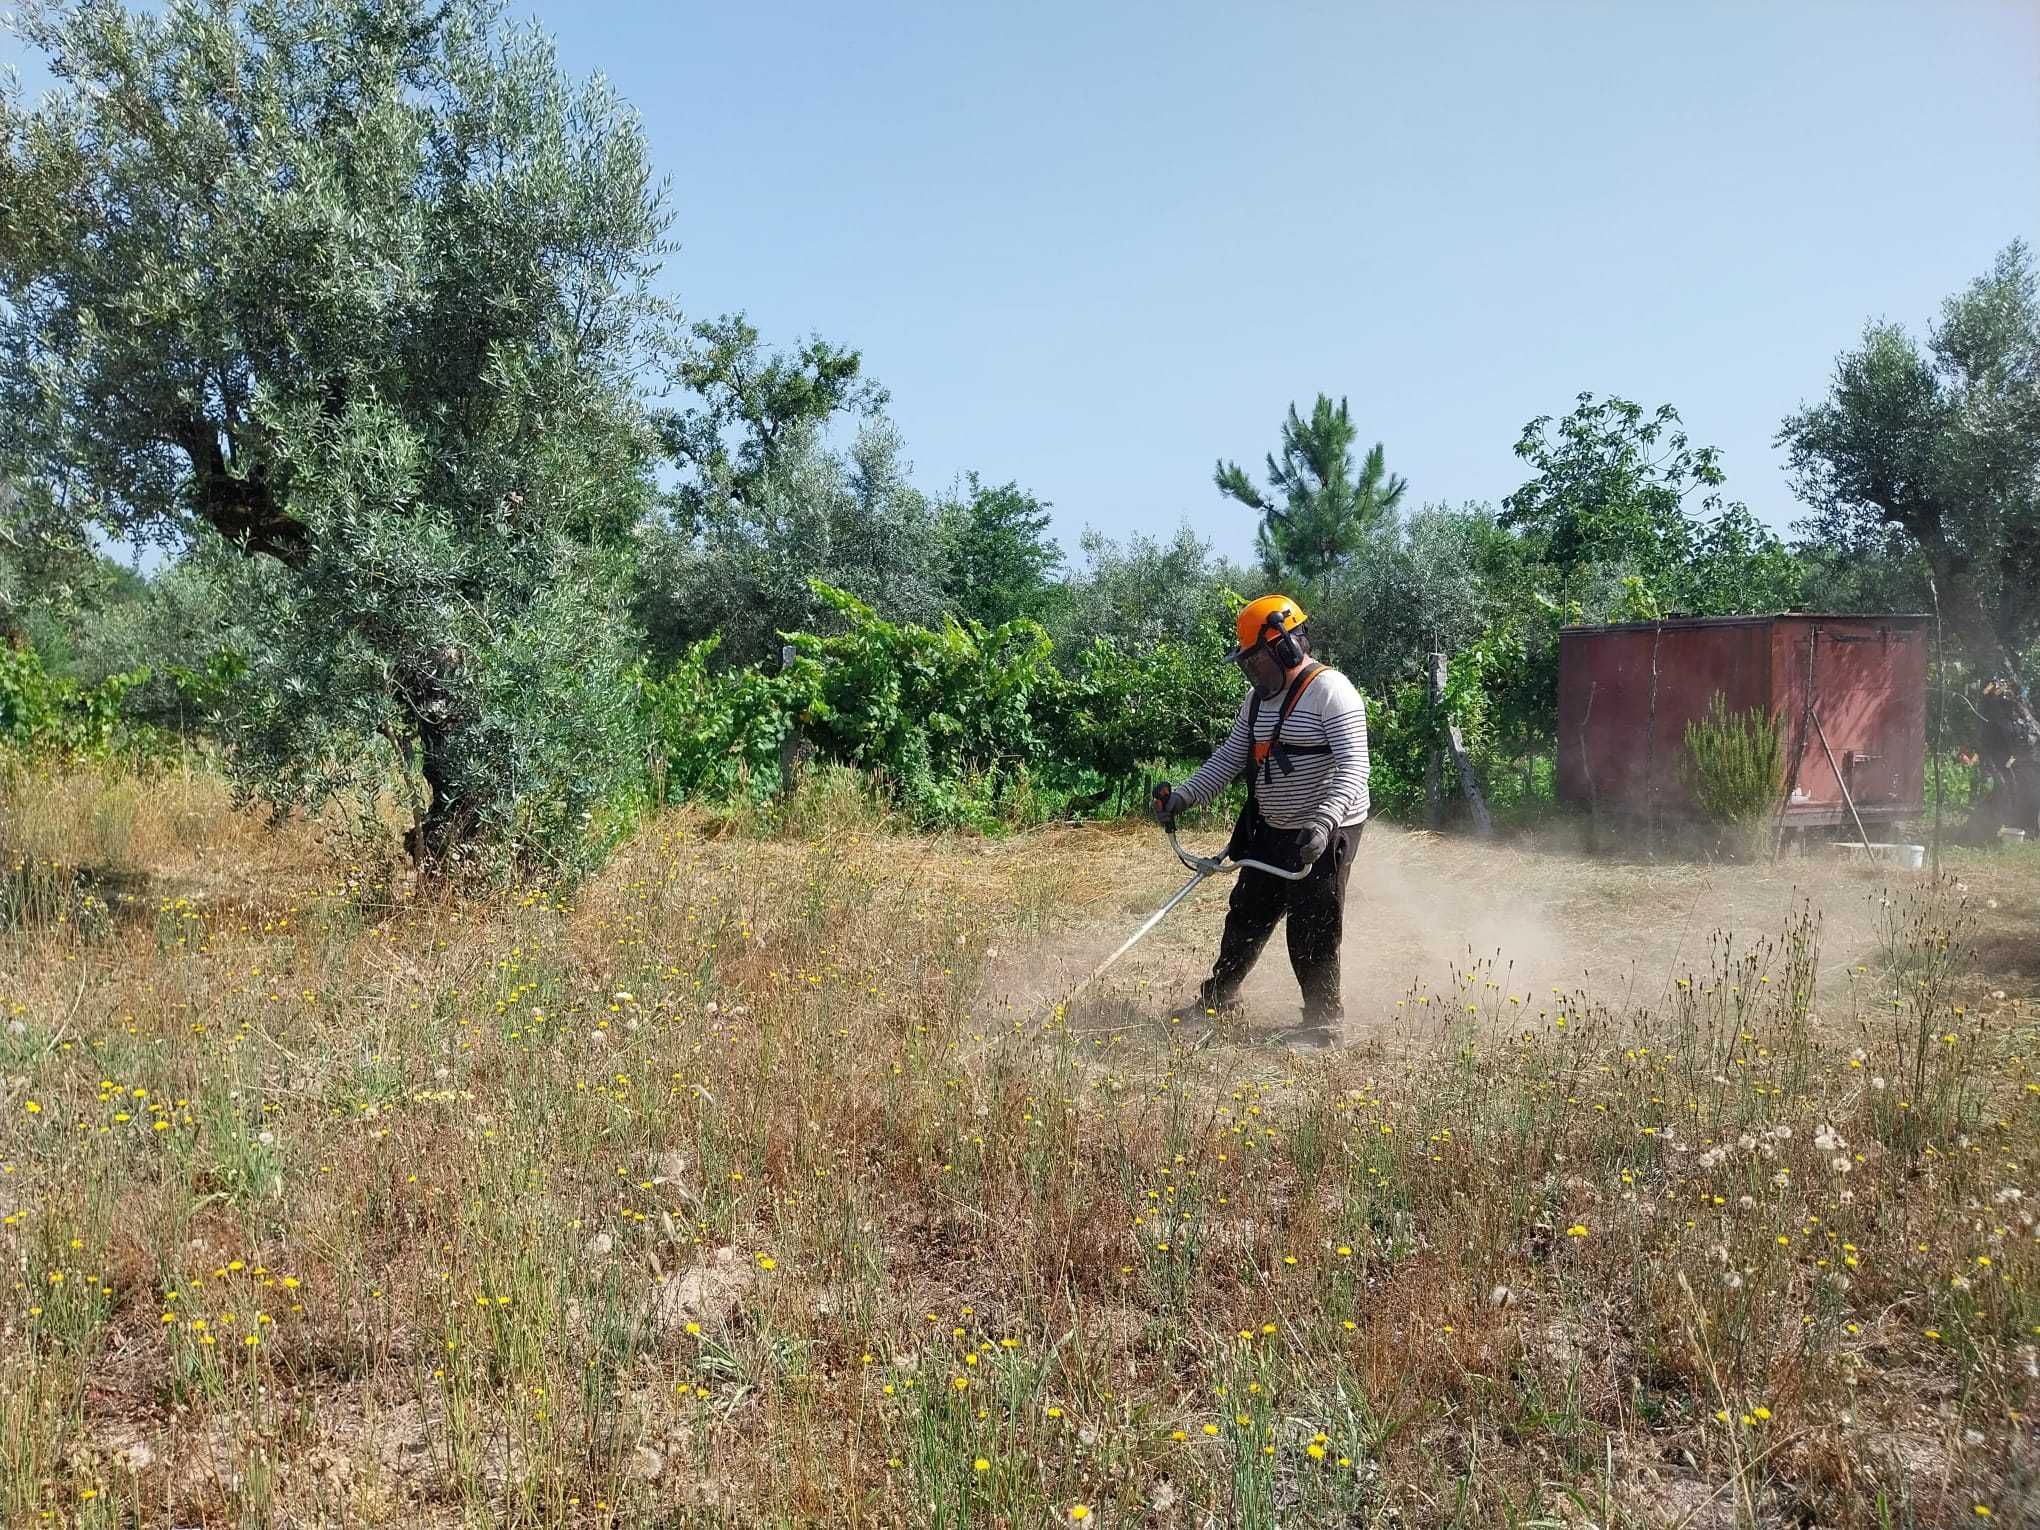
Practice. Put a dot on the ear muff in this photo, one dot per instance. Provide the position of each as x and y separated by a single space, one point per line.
1284 646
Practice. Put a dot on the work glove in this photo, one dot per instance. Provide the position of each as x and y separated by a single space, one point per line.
1166 804
1311 843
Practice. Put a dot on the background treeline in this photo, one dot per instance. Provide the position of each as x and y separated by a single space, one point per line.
349 315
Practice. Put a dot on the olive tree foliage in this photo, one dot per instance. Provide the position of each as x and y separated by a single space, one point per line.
361 288
888 540
1937 449
187 622
1885 574
1430 581
48 566
1144 590
764 504
742 568
751 409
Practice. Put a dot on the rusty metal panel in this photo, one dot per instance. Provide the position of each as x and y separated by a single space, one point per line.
1869 677
1626 694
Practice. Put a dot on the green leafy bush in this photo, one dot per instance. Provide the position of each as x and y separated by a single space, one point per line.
1403 729
1736 762
944 713
1123 709
45 715
944 716
717 735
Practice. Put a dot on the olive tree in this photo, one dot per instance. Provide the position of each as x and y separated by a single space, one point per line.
742 568
1937 450
361 289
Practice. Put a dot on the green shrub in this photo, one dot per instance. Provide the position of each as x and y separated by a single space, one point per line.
716 735
943 716
1736 762
46 715
1402 730
1123 710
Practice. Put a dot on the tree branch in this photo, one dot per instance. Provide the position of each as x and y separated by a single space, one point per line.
241 507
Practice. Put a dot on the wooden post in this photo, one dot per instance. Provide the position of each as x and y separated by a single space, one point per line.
1799 751
1434 786
1468 783
796 750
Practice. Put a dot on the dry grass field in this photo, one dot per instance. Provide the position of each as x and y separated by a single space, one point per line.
762 1181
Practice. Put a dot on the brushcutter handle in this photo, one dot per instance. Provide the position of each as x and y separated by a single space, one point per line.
1162 801
1214 865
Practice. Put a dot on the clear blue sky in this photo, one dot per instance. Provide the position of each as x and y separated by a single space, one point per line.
1094 246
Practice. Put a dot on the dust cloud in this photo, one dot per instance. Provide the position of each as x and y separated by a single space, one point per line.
1531 916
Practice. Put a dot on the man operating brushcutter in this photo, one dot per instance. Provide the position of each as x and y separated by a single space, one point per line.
1301 741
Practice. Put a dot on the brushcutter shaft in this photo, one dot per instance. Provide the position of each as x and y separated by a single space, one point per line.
1202 867
1134 939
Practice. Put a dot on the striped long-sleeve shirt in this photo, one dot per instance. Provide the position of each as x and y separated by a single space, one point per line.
1329 786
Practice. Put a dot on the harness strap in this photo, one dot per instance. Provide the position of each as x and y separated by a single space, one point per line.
1275 750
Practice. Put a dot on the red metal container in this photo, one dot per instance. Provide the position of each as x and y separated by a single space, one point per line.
1626 693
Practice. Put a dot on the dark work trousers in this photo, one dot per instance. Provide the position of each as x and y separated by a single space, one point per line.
1316 907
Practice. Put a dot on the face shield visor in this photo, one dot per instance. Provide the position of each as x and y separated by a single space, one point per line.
1263 671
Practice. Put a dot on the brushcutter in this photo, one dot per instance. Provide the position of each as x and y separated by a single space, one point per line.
1200 868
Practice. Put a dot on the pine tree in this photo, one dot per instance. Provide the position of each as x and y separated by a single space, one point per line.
1315 512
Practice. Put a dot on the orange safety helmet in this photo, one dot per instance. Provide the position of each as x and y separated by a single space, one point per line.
1264 621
